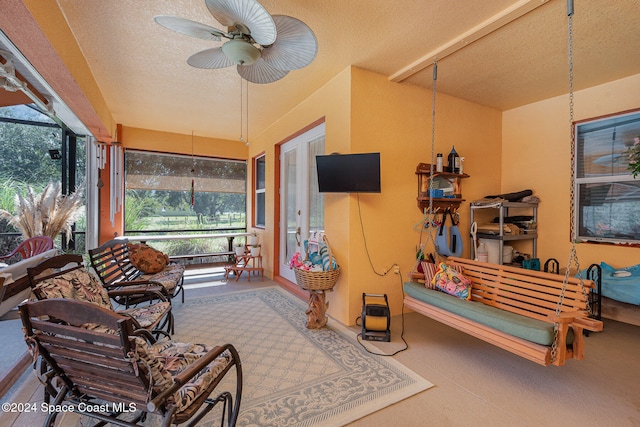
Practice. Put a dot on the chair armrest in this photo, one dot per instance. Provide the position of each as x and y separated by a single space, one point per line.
158 291
183 377
191 371
145 334
563 318
589 324
139 283
580 319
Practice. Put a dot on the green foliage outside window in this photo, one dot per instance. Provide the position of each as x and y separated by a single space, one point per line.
26 136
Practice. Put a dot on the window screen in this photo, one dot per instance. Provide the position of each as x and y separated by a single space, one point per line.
607 195
174 192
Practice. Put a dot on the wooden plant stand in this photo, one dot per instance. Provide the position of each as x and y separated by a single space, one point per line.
247 262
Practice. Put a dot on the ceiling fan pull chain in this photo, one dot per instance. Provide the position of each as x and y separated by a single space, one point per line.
241 111
247 113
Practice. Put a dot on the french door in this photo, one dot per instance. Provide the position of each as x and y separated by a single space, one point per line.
301 205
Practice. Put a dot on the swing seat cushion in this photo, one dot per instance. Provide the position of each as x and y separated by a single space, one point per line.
533 330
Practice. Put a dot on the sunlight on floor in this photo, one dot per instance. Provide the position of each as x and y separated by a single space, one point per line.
204 277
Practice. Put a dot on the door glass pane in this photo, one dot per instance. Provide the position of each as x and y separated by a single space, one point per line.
260 209
316 199
290 165
260 173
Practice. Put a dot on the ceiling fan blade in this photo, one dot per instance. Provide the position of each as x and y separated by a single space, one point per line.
210 58
248 13
260 72
295 47
190 28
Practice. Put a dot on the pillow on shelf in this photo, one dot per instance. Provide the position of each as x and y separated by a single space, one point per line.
451 281
147 259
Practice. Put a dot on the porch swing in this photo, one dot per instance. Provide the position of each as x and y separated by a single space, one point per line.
536 315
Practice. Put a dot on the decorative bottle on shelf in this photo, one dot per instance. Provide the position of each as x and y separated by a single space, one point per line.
454 161
439 163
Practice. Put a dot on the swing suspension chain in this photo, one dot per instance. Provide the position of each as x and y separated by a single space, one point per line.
572 252
433 133
573 256
431 213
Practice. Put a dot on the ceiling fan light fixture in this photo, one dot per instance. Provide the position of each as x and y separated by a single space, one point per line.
264 48
241 52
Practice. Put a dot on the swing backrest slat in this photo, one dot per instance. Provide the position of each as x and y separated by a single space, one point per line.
526 292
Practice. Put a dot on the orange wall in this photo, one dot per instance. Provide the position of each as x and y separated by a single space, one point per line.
395 119
364 112
165 142
536 154
332 102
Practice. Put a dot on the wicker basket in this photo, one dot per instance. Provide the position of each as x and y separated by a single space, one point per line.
318 280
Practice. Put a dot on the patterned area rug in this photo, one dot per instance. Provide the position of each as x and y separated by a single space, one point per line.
293 376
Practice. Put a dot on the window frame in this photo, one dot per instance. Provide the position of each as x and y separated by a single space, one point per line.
186 182
616 178
256 191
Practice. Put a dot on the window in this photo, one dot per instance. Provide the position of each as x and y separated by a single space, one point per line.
173 192
607 195
259 165
34 151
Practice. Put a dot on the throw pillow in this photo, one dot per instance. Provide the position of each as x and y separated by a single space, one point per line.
430 269
449 280
147 259
328 260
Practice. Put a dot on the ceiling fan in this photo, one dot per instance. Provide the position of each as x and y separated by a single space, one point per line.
263 47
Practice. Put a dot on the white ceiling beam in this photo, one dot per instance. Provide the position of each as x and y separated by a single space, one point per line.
490 25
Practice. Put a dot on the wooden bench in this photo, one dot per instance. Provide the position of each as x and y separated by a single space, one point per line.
227 254
145 238
111 262
503 295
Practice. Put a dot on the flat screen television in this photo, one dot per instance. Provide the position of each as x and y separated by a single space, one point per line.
349 173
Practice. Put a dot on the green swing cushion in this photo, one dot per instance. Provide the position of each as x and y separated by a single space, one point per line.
533 330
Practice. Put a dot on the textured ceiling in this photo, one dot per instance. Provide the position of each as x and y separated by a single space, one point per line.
142 72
